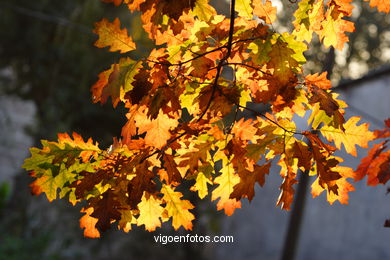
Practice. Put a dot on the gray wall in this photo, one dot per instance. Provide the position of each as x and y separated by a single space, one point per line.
16 116
353 231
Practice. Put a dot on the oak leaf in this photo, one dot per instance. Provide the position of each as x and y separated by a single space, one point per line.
334 28
127 219
177 208
318 80
150 212
309 15
264 11
376 165
248 179
105 209
343 186
244 129
288 173
88 223
116 82
328 104
226 182
352 135
111 35
201 182
244 8
382 5
157 130
303 154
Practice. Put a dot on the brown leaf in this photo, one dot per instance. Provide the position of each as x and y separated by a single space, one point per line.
89 181
140 183
303 154
170 165
328 104
201 66
248 179
105 209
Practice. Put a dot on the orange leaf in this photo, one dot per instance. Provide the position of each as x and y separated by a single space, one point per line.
343 186
382 5
318 80
286 195
157 130
244 129
375 165
266 11
173 173
328 104
111 35
201 66
88 223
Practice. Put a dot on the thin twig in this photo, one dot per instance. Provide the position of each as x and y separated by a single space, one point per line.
269 119
223 60
249 66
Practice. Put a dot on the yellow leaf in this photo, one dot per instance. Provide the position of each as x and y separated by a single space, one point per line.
244 8
334 29
308 16
227 180
203 10
177 208
150 212
201 185
282 60
353 135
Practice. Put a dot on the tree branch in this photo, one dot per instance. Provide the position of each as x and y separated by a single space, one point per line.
223 60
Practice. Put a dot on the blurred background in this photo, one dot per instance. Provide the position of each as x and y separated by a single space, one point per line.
47 65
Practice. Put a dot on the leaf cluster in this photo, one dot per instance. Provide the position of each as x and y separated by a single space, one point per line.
185 123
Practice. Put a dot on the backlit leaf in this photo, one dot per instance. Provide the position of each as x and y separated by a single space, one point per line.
382 5
111 35
177 208
353 135
150 212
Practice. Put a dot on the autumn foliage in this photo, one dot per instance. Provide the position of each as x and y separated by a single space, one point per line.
188 104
